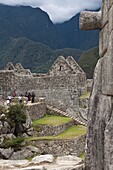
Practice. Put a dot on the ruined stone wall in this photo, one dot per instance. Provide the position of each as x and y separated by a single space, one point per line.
60 92
36 110
7 82
49 130
60 87
61 147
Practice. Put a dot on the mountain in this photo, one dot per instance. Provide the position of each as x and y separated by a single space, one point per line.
38 57
28 36
25 21
88 61
33 55
76 38
35 24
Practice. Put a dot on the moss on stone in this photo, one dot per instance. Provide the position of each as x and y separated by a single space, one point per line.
85 96
82 155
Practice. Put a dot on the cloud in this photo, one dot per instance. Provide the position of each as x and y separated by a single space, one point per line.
58 10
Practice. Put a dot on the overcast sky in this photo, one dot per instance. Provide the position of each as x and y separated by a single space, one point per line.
58 10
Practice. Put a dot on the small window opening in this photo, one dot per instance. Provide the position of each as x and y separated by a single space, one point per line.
60 68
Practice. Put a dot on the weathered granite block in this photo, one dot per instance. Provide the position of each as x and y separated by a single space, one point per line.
110 19
110 3
107 69
90 20
103 40
105 13
61 147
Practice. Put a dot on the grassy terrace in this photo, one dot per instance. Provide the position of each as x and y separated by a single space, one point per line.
71 133
51 120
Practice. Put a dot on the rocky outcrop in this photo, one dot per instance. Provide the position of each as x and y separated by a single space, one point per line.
99 146
44 162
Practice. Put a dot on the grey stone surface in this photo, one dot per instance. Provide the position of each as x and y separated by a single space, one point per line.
6 153
35 111
69 159
43 158
62 147
90 20
99 150
4 127
69 163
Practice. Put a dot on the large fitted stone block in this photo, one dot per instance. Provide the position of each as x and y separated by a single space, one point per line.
104 13
107 69
103 40
111 19
110 3
90 20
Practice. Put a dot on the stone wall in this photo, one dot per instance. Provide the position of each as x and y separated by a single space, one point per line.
61 147
36 110
48 130
60 87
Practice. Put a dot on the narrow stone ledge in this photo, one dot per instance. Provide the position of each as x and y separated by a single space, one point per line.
90 20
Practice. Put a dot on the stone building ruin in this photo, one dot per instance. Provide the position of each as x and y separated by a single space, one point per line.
99 150
61 86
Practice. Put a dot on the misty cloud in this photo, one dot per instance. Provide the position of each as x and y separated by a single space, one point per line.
58 10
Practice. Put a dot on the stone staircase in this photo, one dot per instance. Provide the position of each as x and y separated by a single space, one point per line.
66 114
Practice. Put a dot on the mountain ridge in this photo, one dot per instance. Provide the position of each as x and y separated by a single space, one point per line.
35 24
29 36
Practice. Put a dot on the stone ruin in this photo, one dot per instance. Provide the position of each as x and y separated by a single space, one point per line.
61 86
99 147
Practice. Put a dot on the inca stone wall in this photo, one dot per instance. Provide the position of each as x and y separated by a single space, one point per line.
99 148
48 130
61 147
60 87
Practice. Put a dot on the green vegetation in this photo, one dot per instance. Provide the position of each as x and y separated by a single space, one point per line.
16 116
16 113
12 142
71 133
85 96
27 36
33 55
51 120
88 61
82 155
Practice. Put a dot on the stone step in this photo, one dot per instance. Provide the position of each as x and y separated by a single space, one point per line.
66 114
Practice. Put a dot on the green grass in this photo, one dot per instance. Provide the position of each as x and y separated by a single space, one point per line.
51 120
12 142
71 133
82 155
85 96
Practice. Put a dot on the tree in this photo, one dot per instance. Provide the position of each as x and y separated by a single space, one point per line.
17 117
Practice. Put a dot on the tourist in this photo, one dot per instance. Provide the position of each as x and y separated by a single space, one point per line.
26 95
14 94
33 97
20 98
29 97
9 98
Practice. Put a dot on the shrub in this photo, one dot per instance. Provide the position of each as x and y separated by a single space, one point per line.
16 113
16 116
